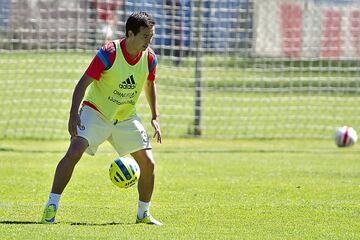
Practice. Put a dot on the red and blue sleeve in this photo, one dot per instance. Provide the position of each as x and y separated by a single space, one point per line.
152 63
102 61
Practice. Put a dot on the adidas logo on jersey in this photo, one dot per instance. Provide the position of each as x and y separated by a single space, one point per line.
129 83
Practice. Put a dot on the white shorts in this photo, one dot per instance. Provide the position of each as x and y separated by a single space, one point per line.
125 136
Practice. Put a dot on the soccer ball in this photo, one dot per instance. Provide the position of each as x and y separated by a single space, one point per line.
345 136
124 172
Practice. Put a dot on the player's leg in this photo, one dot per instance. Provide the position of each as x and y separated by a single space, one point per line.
146 163
147 169
130 137
66 165
62 176
94 131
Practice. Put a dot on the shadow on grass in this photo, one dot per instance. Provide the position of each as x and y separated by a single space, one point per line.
70 223
97 224
18 222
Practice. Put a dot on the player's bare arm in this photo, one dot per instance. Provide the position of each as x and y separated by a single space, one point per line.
78 95
151 96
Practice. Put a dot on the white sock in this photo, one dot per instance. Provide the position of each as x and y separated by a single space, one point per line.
143 209
54 199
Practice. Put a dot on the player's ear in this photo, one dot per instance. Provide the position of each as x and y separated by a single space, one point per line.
130 34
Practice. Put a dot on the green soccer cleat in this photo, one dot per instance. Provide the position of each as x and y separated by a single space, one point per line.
49 214
148 220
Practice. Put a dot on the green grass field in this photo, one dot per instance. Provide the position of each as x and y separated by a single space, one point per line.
205 189
270 188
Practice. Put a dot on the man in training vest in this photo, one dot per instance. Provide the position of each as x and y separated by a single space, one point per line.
108 93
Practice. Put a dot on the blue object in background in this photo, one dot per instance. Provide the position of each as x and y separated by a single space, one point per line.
173 20
4 13
175 23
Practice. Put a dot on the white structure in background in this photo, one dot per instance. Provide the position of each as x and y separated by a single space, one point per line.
307 29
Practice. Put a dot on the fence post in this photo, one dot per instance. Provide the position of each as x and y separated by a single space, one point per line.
198 67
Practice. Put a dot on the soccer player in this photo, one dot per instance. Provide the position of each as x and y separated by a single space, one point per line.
108 93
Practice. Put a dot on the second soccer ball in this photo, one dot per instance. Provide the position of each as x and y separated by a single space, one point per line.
345 136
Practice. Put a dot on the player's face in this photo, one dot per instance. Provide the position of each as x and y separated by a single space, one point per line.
143 39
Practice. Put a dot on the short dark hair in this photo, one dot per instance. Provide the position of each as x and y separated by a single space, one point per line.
137 20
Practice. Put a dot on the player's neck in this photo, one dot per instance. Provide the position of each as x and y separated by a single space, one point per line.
130 49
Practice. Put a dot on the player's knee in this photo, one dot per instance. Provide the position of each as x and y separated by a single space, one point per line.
76 149
145 160
149 164
74 153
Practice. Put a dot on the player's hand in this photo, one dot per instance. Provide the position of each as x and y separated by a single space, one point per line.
156 125
74 122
